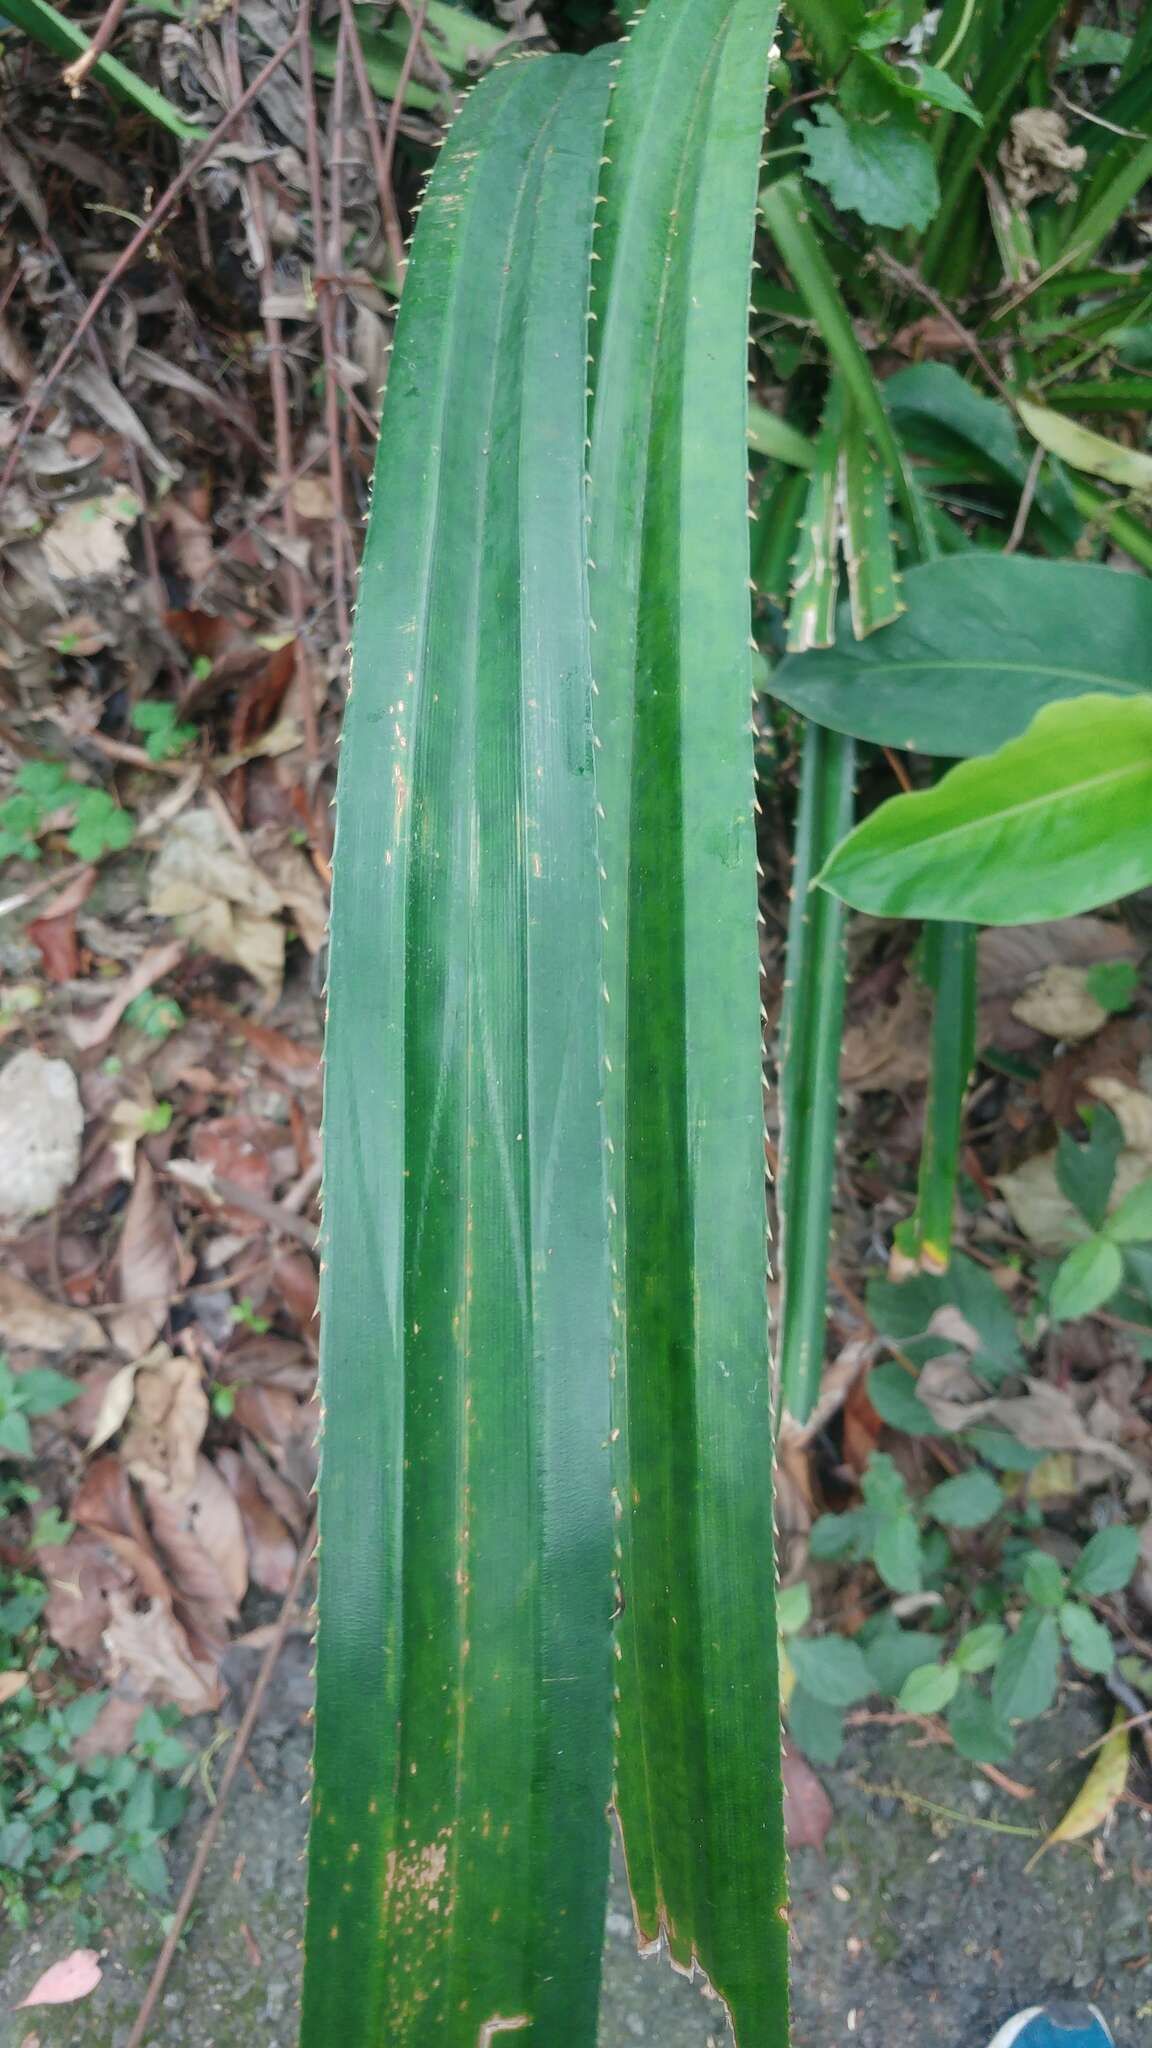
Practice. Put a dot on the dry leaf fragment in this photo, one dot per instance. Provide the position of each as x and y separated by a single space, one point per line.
219 899
892 1047
271 1550
1132 1110
75 1977
1011 955
85 540
116 1402
150 968
167 1423
201 1537
807 1807
11 1682
29 1319
149 1648
149 1260
41 1124
1060 1003
1100 1792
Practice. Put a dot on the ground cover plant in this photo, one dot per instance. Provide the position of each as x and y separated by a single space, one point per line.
544 1125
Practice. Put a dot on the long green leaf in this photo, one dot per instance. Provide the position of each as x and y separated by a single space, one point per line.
463 1746
698 1775
1054 823
811 1026
986 642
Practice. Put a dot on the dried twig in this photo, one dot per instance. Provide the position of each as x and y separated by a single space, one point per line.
332 263
913 282
211 1829
392 131
76 72
140 241
389 211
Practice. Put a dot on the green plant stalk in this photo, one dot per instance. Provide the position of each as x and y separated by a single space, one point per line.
775 535
810 1033
950 964
453 36
1128 532
458 1855
1025 31
698 1768
56 33
786 215
816 566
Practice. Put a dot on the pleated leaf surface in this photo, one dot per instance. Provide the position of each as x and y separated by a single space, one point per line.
463 1743
697 1778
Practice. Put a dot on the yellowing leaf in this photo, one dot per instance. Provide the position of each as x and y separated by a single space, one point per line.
1099 1793
1084 450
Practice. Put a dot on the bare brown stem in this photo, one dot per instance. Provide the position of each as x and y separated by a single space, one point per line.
76 72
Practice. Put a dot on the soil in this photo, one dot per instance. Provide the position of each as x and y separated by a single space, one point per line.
910 1928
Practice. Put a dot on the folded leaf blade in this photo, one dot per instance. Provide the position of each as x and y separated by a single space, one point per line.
458 1854
697 1785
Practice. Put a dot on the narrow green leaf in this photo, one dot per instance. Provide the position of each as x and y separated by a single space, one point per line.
811 1026
874 598
1108 1560
1054 823
768 435
816 567
1085 1280
54 30
1082 449
986 642
697 1788
463 1745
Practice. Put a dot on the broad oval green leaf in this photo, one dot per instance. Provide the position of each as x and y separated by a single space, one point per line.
985 643
458 1853
832 1669
967 1501
1024 1682
1085 1280
1054 823
1108 1560
929 1688
1089 1641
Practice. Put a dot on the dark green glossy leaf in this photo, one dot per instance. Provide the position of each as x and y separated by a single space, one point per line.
1054 823
463 1747
697 1788
1086 1172
986 642
884 170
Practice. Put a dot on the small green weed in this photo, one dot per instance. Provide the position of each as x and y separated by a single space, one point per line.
156 1016
165 737
66 1822
99 824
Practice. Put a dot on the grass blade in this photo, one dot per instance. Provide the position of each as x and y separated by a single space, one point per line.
810 1032
463 1748
816 566
56 33
698 1772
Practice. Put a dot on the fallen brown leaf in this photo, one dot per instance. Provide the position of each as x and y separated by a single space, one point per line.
152 967
149 1262
167 1424
149 1648
1011 955
1060 1004
271 1549
200 1535
807 1807
218 898
892 1048
75 1977
29 1319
